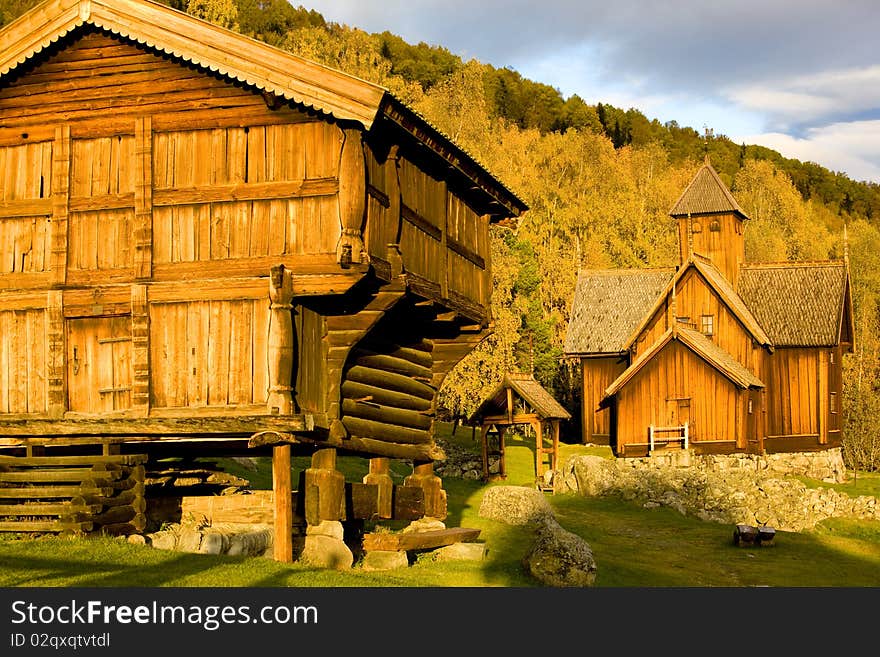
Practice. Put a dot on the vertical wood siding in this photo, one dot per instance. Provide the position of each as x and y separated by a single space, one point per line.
102 171
793 392
674 375
467 228
25 175
724 247
421 245
23 368
202 159
209 353
598 374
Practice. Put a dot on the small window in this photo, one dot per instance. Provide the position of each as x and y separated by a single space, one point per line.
831 360
715 226
832 402
751 407
697 228
707 325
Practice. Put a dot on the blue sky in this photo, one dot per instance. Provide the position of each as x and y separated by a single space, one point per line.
799 76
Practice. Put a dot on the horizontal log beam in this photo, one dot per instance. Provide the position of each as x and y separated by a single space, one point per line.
120 459
246 192
391 381
390 363
354 390
424 452
50 526
31 207
419 540
245 425
403 417
385 432
47 509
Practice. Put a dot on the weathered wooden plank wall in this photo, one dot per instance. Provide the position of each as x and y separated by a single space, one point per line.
792 392
676 375
597 374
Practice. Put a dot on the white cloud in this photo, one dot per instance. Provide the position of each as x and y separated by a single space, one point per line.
852 148
799 99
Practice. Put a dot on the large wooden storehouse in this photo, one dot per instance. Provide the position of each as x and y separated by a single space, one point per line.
717 355
210 246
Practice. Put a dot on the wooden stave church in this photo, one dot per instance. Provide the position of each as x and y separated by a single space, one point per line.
766 380
379 286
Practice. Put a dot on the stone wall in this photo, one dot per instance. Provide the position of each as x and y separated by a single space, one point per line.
737 489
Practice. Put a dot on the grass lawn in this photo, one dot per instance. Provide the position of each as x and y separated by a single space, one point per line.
633 547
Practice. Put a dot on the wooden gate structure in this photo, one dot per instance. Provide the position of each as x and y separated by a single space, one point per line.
209 246
520 400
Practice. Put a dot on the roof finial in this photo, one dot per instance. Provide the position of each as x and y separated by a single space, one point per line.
706 160
845 246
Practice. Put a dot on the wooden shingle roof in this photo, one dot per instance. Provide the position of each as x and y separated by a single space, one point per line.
608 305
706 194
700 345
715 279
798 304
529 390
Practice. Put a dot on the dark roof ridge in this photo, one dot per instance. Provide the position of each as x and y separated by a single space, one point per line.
786 264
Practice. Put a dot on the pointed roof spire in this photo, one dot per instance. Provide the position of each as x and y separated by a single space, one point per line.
845 246
706 194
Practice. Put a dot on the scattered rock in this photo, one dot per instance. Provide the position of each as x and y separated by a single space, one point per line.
137 539
425 524
331 528
163 540
514 505
460 552
325 552
384 560
560 558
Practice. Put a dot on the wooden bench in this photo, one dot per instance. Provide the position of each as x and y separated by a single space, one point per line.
666 435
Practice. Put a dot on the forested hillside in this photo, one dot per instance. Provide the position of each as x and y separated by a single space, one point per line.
599 181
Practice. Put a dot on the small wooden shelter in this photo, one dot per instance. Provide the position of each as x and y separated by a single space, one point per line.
520 400
210 246
716 355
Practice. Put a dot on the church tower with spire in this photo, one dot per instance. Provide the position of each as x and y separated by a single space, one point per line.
710 223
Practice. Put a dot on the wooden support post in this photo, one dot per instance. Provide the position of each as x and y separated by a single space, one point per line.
823 397
60 204
143 198
283 493
435 497
281 341
323 488
484 437
555 461
502 465
352 199
56 365
140 350
539 449
380 475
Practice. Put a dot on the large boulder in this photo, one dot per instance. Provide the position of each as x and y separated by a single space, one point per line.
515 505
322 551
560 558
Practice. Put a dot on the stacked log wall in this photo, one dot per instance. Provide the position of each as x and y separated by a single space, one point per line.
72 494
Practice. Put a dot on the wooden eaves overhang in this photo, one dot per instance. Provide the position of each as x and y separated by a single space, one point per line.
268 69
700 345
728 295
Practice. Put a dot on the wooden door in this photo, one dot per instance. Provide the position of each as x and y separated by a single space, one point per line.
678 411
99 364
